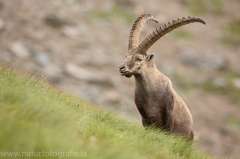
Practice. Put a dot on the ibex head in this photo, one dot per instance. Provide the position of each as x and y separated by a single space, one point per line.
137 57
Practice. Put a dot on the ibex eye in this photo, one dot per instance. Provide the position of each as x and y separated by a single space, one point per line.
138 59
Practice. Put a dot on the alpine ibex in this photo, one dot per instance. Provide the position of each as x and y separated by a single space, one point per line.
156 100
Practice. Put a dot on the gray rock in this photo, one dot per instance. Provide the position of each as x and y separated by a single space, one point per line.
52 70
220 82
91 94
236 83
71 32
199 60
41 59
89 75
19 50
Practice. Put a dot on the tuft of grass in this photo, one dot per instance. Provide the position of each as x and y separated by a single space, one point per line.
37 119
228 89
231 33
233 120
122 13
99 14
181 33
196 7
115 11
203 6
183 83
216 6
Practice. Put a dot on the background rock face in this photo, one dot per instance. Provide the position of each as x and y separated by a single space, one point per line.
78 46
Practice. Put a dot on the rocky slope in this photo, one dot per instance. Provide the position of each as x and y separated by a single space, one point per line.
78 46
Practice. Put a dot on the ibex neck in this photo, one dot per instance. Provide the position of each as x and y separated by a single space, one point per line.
147 76
151 82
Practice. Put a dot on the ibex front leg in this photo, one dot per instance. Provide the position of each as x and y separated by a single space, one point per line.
168 114
169 122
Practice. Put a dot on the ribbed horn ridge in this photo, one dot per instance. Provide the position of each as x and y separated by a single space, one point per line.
161 31
136 29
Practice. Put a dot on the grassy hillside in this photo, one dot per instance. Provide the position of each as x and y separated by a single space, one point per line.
39 120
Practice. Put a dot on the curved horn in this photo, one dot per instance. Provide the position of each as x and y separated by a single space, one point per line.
136 29
160 32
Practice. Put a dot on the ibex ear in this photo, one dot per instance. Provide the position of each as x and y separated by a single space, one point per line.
150 57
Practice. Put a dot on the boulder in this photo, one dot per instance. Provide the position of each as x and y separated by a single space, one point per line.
20 50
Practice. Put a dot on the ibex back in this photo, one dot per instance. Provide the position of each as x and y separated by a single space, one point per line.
155 98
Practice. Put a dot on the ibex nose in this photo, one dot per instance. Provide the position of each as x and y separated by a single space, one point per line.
121 67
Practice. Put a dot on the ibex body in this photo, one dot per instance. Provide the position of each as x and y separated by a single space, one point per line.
155 98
